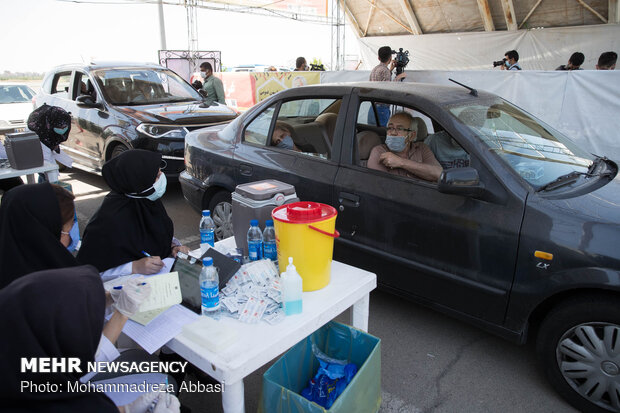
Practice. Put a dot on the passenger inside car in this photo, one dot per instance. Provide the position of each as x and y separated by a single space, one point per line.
401 155
282 136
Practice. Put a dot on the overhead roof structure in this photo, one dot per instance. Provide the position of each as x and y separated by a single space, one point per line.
417 17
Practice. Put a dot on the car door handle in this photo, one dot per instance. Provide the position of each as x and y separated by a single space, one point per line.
245 170
352 200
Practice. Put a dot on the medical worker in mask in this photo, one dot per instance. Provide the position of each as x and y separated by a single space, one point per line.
401 155
132 221
281 137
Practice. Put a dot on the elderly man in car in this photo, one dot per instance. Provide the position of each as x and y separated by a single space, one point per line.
401 155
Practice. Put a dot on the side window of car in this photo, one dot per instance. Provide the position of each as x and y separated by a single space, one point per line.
410 136
61 83
83 86
257 132
307 126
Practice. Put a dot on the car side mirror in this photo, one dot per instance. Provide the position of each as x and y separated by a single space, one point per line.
87 101
461 181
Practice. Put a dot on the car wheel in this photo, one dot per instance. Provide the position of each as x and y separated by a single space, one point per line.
221 212
579 347
118 149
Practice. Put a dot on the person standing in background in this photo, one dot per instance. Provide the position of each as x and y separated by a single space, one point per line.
212 85
574 63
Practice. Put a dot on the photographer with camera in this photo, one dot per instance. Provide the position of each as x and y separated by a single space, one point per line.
509 62
383 73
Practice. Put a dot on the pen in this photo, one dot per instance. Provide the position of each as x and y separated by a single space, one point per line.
146 254
120 287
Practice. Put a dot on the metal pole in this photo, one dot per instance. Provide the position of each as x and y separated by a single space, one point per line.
162 26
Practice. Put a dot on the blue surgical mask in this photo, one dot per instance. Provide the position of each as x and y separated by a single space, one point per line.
507 64
396 143
74 233
61 131
286 143
203 75
160 188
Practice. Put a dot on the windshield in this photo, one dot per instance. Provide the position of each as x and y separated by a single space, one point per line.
533 149
15 94
144 87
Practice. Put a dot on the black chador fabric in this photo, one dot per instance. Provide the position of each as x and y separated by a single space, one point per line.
124 226
54 313
43 120
30 226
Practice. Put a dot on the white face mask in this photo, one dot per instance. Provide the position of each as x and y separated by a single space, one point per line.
396 143
203 75
160 188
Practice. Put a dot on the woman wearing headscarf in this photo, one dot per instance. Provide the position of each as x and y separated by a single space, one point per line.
57 314
132 219
35 221
52 124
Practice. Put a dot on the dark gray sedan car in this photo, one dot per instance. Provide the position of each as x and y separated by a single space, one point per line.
519 235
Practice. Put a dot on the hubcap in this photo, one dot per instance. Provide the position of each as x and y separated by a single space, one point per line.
222 217
589 358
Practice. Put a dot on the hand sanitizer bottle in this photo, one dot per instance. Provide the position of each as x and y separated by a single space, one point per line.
291 289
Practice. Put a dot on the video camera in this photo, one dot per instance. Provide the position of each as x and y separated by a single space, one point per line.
499 62
401 60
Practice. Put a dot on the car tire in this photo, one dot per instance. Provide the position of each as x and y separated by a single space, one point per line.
117 150
578 346
220 205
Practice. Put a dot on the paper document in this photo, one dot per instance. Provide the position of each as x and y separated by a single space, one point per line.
165 291
147 316
162 329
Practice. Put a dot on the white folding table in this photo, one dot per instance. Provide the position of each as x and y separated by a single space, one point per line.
48 168
258 344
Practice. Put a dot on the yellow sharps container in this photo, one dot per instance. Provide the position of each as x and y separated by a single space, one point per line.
306 232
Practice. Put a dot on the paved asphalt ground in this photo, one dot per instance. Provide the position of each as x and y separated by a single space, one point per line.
429 362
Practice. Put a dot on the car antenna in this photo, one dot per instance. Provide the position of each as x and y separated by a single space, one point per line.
472 91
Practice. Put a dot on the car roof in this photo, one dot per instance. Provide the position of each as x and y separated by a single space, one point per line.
108 65
439 94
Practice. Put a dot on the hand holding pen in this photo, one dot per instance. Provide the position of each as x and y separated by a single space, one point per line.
147 265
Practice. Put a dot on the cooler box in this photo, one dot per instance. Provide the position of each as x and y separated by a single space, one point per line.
256 200
284 381
23 150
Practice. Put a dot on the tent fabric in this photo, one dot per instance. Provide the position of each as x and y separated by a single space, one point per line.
583 105
539 49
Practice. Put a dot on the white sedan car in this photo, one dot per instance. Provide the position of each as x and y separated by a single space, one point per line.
15 106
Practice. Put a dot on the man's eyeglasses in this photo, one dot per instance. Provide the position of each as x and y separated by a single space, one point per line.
397 129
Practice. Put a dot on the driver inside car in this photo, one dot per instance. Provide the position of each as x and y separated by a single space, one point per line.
401 155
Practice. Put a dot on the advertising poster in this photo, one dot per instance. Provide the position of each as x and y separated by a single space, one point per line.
270 83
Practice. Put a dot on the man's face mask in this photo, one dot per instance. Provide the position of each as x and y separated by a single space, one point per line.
286 143
160 188
396 143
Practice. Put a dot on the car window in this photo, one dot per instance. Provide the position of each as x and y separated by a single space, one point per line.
257 131
408 135
144 86
15 94
61 83
304 108
84 86
533 149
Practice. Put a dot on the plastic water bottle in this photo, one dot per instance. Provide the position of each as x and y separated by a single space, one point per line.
207 228
269 241
292 286
210 289
255 241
